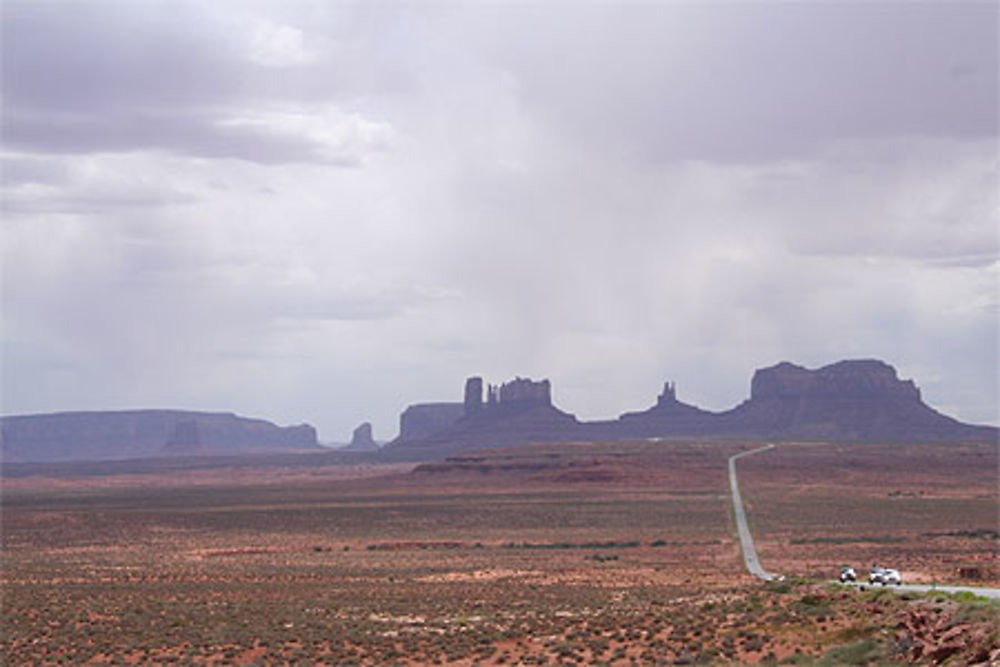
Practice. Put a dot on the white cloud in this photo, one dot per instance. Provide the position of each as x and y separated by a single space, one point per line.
275 45
338 136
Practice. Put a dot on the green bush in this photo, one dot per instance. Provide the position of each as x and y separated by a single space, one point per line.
861 652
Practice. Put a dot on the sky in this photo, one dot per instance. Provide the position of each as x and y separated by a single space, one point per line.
323 211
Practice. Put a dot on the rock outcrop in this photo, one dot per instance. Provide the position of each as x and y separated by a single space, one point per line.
96 436
473 403
519 394
849 400
362 440
517 411
857 400
510 397
669 415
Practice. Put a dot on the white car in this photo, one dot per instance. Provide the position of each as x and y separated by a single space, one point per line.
847 574
885 576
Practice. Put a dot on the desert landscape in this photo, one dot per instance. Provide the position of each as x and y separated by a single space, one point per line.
499 333
588 553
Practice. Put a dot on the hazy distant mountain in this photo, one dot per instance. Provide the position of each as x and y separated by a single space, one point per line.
856 400
94 436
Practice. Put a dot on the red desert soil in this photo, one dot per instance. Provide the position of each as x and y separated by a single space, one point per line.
607 553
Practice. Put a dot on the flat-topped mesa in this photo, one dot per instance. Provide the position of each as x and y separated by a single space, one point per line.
518 394
122 434
524 391
858 399
425 419
859 378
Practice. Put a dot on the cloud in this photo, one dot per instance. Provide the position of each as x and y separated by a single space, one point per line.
106 77
275 45
748 82
19 170
267 137
323 212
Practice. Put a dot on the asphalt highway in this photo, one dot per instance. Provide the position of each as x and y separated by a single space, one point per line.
753 561
928 588
746 539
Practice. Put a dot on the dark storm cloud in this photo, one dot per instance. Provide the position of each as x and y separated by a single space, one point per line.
114 76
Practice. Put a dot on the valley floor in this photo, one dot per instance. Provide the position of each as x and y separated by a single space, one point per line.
574 552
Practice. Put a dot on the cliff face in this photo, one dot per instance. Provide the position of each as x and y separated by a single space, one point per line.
851 400
861 379
69 436
426 419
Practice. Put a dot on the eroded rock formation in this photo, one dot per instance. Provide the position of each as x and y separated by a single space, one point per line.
668 416
362 439
517 411
856 400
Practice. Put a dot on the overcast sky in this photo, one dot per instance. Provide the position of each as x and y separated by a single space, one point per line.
324 211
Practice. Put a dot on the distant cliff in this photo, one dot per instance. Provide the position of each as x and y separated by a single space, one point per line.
93 436
855 400
849 400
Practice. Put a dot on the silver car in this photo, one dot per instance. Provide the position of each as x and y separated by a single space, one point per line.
885 576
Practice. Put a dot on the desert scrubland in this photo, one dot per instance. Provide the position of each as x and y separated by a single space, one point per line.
587 553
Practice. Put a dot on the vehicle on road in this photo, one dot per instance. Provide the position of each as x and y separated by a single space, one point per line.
885 576
847 574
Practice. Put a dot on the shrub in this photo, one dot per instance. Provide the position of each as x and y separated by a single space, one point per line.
861 652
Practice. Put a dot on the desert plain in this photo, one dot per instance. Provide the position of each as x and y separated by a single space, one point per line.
571 553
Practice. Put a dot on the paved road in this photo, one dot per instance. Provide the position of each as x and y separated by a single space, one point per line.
753 562
927 588
746 539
